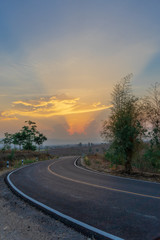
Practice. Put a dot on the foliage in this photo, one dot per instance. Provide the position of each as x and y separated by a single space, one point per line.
15 157
113 156
152 158
124 126
7 141
152 111
28 137
11 156
87 161
28 134
39 139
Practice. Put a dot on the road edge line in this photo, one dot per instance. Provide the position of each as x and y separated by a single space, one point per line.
107 174
82 227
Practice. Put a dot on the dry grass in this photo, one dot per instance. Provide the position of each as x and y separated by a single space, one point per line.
15 158
99 163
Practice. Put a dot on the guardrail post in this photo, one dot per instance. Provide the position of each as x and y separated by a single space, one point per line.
7 164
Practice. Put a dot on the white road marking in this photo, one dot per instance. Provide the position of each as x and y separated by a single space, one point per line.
97 186
70 219
107 174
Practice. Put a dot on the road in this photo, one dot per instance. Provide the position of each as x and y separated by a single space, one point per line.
125 208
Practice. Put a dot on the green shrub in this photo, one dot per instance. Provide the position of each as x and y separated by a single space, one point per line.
87 161
97 162
11 155
114 157
152 158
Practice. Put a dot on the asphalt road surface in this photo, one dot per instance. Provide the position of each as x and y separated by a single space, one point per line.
128 209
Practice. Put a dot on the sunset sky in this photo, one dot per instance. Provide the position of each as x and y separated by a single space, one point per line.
59 60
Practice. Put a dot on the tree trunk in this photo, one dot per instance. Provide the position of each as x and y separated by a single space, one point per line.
128 166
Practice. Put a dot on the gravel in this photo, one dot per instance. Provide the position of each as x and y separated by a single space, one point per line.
20 221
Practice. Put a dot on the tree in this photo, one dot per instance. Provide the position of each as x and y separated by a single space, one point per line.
17 139
31 136
7 141
28 133
124 127
39 139
27 137
152 110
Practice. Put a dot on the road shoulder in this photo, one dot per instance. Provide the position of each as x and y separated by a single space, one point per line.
19 220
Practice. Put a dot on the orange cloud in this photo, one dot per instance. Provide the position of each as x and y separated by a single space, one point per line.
52 106
78 115
78 124
5 116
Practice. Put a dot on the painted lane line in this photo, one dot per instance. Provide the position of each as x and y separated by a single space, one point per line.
64 216
97 186
107 174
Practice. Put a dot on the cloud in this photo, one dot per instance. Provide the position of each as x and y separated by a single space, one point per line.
77 114
79 124
5 116
46 107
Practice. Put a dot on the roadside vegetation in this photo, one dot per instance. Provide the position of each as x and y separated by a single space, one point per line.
17 158
99 163
124 128
22 147
132 131
133 128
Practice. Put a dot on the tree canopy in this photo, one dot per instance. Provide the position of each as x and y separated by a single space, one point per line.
27 138
124 127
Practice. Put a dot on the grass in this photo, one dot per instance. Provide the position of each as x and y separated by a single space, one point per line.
25 162
15 158
99 163
87 161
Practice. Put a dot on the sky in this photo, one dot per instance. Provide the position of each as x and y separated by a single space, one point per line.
59 61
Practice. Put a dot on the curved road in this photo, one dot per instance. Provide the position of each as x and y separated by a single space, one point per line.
121 208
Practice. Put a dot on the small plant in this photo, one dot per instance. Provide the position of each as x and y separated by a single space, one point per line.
11 155
114 157
25 162
152 158
87 161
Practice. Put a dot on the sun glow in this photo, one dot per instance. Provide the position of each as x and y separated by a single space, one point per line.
78 122
78 115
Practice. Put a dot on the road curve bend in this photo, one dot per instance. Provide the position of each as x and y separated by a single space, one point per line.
95 204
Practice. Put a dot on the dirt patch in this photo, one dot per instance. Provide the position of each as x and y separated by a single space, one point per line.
19 220
100 164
